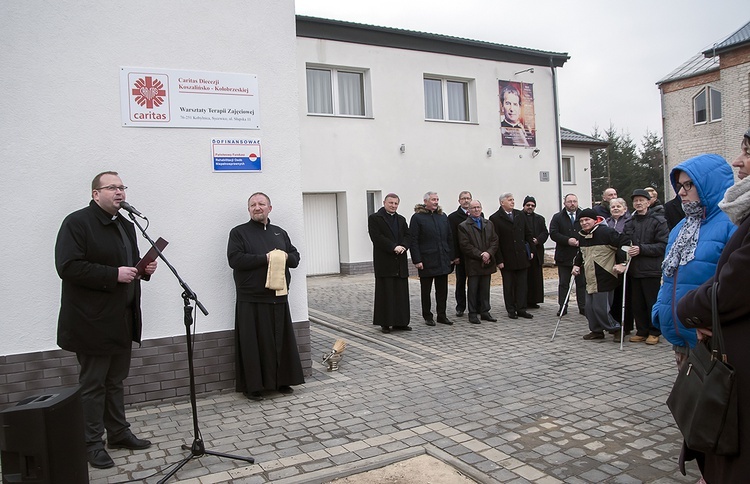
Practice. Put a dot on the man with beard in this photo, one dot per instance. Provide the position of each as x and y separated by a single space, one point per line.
390 240
455 219
267 357
539 235
512 256
563 229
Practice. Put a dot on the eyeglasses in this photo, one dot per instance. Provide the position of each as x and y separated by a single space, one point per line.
113 188
687 186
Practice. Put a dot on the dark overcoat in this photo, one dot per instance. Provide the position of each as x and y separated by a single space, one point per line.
513 238
431 241
89 251
694 310
473 241
455 218
561 230
385 262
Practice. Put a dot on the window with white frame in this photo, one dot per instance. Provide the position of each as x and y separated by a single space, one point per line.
567 169
337 91
447 99
707 106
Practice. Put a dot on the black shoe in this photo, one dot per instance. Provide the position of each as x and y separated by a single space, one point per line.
429 322
564 313
385 329
512 315
254 396
443 319
130 442
534 306
402 328
100 459
459 312
594 335
286 389
487 317
525 314
474 320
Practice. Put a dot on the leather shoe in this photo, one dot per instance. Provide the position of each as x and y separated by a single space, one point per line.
474 320
459 313
525 314
130 442
443 319
429 322
402 328
100 459
487 317
286 389
512 315
385 329
534 306
563 313
254 396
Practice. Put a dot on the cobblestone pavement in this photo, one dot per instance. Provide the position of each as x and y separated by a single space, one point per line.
498 401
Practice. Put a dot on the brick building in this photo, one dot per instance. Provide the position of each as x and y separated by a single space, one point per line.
706 101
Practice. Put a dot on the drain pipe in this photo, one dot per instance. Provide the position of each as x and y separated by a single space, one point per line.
557 135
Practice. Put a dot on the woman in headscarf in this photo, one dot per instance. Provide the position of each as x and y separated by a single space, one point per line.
695 243
694 309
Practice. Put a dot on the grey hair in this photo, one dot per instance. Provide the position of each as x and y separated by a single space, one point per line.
427 195
505 195
619 200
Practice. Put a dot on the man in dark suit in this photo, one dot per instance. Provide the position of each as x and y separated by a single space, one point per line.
563 229
455 219
390 240
539 234
513 254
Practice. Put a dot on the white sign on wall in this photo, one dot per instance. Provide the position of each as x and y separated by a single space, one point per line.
188 99
232 154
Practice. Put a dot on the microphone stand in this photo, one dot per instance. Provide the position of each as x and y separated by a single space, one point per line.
197 449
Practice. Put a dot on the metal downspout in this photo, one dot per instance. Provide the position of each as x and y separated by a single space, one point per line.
557 135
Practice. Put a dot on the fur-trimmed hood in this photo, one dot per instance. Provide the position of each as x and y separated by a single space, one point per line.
420 208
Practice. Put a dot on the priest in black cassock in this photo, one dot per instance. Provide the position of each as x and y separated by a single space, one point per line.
390 240
539 234
267 357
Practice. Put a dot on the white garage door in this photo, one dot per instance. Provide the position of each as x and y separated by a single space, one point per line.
321 233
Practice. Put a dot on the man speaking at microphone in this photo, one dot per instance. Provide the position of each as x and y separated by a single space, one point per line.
100 315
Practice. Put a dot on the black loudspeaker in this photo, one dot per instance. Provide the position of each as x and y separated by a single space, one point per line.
41 439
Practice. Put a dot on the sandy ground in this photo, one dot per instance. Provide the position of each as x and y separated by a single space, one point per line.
423 469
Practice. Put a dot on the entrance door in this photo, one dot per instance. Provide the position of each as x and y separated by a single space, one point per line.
321 233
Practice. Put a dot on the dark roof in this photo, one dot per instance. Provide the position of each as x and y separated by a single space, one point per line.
570 137
737 39
320 28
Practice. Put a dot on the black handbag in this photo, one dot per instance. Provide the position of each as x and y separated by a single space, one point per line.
703 400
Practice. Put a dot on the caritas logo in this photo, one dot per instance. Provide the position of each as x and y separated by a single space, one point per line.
148 97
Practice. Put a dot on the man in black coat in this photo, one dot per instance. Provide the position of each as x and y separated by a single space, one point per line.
390 240
563 229
513 254
479 245
455 219
100 312
539 235
432 254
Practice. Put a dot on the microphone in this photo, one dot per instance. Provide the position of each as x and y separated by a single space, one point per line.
131 209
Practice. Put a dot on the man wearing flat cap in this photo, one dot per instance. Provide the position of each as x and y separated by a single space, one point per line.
648 234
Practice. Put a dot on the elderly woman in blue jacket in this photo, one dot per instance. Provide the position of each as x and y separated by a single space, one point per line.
695 243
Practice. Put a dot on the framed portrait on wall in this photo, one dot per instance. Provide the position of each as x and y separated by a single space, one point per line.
517 121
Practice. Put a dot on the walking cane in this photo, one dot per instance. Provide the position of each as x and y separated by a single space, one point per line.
624 248
564 307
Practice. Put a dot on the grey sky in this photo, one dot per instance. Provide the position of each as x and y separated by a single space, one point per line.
618 49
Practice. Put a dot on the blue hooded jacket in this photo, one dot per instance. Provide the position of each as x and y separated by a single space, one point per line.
711 176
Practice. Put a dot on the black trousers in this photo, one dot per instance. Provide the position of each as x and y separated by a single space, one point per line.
564 275
102 396
479 294
643 294
441 294
515 286
460 287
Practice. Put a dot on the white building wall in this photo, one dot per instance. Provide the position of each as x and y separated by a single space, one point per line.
354 155
61 126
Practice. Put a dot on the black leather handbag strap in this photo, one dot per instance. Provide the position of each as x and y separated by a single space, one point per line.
717 338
